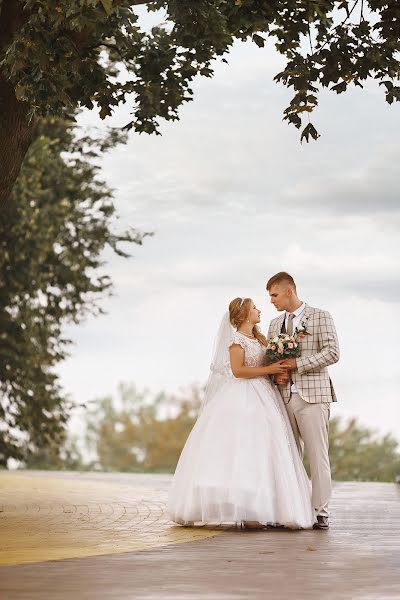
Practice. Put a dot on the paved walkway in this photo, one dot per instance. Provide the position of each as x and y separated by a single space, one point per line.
106 536
55 517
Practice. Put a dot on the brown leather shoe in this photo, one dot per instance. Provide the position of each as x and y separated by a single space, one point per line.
322 523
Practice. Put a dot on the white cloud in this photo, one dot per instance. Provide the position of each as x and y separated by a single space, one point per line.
233 197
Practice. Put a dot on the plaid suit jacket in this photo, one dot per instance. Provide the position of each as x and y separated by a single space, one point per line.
319 349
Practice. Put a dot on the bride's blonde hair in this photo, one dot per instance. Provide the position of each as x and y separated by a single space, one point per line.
239 310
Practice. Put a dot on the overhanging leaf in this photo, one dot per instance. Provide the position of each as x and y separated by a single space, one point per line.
308 131
259 40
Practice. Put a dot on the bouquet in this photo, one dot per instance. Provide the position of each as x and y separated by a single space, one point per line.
282 346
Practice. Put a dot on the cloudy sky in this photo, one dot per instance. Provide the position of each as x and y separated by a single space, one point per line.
233 197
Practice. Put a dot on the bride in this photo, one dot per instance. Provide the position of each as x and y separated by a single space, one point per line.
240 464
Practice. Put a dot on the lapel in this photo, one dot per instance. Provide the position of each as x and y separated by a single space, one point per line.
307 312
279 322
306 318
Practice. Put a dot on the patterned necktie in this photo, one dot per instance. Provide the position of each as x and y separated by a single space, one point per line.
290 324
290 332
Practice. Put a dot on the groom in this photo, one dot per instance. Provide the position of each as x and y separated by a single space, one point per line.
307 391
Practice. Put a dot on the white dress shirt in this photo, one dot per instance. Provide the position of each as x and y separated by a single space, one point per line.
296 322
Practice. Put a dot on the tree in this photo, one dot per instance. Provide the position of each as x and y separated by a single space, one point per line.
52 238
146 432
69 53
64 456
359 454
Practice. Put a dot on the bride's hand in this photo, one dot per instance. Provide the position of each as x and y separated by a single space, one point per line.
277 368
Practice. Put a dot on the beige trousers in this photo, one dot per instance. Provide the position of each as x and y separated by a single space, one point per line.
310 424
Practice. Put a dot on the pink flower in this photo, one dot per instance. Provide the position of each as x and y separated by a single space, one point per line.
280 350
290 345
273 347
301 334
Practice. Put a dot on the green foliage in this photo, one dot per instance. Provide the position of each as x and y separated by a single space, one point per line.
358 454
145 432
52 237
55 456
67 53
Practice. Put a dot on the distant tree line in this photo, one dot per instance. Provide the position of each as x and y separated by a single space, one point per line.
145 432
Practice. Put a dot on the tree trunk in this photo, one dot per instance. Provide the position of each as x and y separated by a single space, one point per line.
16 136
15 132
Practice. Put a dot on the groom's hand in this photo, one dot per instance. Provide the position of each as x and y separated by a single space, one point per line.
290 363
281 379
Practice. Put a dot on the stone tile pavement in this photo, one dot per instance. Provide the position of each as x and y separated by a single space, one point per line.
106 536
55 516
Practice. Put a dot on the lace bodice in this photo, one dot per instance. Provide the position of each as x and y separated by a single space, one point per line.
254 352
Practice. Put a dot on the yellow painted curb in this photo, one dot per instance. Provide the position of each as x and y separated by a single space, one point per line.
48 518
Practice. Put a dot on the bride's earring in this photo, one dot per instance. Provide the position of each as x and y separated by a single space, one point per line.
248 320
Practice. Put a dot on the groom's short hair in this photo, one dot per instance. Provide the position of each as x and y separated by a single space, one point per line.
281 277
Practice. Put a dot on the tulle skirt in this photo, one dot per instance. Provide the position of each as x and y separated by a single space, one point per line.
240 463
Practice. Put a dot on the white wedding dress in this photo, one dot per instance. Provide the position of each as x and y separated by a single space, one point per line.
240 461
